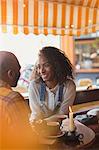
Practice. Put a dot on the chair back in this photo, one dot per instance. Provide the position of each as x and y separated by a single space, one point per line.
86 96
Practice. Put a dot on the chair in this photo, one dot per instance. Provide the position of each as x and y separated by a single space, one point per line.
86 96
85 100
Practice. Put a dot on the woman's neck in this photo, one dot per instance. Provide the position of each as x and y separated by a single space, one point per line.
51 84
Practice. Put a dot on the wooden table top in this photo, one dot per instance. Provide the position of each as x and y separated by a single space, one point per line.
85 106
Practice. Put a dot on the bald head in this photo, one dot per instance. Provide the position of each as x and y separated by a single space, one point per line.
9 68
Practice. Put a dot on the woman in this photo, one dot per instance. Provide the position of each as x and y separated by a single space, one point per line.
54 91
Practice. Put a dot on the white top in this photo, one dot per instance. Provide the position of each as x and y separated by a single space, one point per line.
51 99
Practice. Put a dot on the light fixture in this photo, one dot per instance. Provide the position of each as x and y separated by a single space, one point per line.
89 20
24 5
72 25
67 27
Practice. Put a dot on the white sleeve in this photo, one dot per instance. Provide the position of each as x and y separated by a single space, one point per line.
69 93
34 103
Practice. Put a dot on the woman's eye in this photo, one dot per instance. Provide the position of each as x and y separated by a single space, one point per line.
47 65
44 65
38 67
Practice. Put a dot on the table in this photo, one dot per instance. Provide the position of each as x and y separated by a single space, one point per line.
85 106
58 144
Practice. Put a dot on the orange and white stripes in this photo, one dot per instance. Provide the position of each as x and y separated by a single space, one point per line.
48 17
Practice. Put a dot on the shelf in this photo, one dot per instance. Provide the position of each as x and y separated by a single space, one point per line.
87 71
83 49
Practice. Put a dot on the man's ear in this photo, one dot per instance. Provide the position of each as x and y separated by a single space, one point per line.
10 74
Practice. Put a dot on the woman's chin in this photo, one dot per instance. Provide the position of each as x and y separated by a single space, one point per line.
44 79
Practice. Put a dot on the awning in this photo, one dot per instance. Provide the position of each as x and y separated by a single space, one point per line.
72 17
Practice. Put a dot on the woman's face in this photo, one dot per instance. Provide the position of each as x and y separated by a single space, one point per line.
45 69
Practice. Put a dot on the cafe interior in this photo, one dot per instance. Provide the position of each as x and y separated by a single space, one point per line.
76 23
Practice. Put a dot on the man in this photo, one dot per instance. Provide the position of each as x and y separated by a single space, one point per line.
15 131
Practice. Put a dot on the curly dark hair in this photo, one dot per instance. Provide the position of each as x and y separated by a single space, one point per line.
59 61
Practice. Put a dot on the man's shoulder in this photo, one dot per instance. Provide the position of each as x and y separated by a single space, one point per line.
9 95
15 95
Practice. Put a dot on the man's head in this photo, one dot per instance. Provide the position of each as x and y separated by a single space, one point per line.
9 68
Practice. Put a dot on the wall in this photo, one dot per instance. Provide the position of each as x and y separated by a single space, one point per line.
26 47
92 76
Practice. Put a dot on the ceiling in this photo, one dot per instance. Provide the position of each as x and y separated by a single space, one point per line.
58 17
86 3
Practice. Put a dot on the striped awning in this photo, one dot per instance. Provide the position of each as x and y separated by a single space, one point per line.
72 17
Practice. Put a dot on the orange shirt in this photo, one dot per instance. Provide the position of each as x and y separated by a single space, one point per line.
15 129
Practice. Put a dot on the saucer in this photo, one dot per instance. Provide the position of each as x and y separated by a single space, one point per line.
60 134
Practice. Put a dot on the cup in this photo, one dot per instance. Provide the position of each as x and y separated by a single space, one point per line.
39 126
52 128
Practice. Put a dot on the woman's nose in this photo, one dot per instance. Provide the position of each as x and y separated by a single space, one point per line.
42 69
